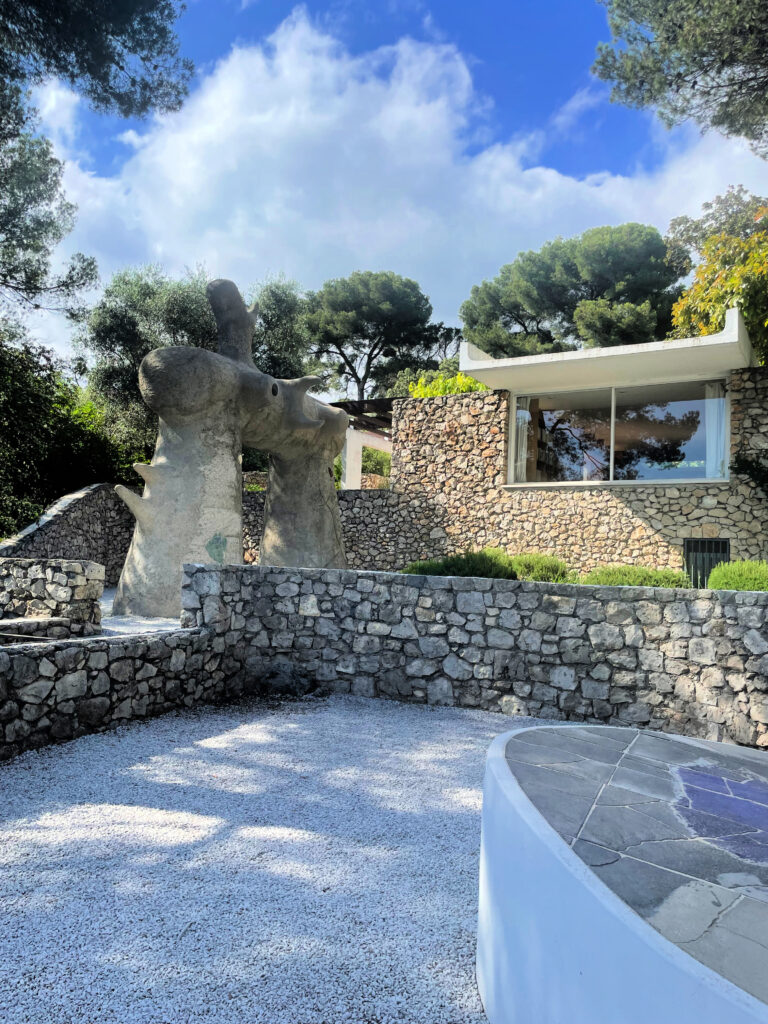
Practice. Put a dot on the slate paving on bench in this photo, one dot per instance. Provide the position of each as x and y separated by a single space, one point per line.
677 829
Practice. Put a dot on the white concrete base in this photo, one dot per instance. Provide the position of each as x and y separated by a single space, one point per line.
556 946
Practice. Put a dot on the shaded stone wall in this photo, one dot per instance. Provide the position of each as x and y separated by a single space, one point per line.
54 598
694 662
92 524
50 692
35 588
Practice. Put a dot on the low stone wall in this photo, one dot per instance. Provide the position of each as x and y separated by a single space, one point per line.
693 662
58 691
41 589
92 524
19 631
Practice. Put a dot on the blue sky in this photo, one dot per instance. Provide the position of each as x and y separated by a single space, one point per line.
436 141
528 59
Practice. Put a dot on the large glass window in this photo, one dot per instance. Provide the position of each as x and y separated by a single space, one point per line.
659 432
564 437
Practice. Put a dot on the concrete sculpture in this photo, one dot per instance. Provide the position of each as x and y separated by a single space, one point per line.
209 405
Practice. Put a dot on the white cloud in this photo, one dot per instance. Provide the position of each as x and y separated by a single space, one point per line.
298 156
568 116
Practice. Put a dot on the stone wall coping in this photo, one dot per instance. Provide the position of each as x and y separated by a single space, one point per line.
94 570
482 583
50 514
100 641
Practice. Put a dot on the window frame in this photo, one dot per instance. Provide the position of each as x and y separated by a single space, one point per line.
610 482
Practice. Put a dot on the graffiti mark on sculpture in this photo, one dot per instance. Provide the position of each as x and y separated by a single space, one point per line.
209 405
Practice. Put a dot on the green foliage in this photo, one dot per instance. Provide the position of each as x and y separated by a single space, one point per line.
141 309
739 576
733 272
376 461
121 54
544 568
691 59
635 576
400 386
737 214
491 563
602 323
607 283
281 339
51 441
34 217
369 326
440 384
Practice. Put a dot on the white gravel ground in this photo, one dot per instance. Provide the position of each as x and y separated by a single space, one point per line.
312 862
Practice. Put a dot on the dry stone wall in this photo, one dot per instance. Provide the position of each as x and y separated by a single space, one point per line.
693 662
37 589
91 524
58 691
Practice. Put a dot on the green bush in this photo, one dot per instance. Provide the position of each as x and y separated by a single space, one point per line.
490 562
739 576
544 568
635 576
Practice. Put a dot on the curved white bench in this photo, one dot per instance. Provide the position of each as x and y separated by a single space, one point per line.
558 939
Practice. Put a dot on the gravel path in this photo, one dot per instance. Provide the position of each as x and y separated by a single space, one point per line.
303 863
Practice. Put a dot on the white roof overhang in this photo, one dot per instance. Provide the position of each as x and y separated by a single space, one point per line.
713 355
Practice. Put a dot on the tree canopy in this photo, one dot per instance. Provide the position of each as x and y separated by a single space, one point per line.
733 272
51 442
368 326
737 213
600 288
141 309
123 55
700 59
34 217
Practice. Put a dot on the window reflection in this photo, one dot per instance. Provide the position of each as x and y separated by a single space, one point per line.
670 432
563 437
661 432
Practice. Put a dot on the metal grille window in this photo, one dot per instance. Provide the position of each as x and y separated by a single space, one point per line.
702 555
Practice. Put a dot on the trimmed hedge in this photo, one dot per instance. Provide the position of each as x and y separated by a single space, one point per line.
635 576
739 576
543 568
490 562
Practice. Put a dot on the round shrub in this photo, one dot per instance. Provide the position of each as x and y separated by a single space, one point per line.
635 576
544 568
490 562
739 576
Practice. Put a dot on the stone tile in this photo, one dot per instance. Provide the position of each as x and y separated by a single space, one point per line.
563 800
556 740
691 909
660 787
700 858
594 855
664 749
749 918
643 887
738 958
616 796
621 827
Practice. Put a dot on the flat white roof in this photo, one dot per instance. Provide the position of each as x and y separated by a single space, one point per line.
713 355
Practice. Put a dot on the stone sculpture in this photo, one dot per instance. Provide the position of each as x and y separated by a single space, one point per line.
209 405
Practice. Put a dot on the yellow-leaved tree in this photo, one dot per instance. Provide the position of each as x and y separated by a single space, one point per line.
733 272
